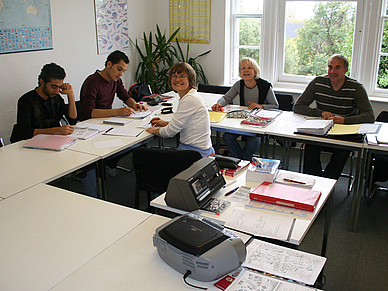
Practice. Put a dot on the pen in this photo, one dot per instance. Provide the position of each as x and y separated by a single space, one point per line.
231 191
293 181
65 119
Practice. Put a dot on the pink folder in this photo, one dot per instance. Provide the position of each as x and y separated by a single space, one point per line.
50 142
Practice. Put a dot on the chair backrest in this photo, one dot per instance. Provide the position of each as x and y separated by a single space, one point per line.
1 142
213 88
154 168
286 101
383 116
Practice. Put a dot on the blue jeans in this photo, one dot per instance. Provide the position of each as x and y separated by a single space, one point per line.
90 183
204 153
246 153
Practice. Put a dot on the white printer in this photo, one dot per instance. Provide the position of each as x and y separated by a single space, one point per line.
196 244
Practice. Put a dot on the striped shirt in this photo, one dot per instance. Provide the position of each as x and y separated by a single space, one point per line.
350 101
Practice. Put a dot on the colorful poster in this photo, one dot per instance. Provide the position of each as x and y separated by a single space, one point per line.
112 25
25 26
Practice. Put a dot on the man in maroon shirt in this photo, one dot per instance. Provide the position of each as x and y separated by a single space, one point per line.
99 89
98 92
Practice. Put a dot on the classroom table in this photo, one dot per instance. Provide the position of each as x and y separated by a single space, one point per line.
302 225
284 127
47 233
131 263
23 168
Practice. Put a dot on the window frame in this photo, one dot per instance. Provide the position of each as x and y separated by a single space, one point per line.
369 25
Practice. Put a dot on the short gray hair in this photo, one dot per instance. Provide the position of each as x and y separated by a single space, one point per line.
339 57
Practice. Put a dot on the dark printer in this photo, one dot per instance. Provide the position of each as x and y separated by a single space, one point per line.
193 187
196 244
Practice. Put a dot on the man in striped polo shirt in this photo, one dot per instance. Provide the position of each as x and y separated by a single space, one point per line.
340 98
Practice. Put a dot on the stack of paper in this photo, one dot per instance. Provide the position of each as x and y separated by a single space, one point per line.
315 126
117 121
295 179
217 116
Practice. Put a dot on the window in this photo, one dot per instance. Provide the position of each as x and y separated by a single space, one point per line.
292 40
246 31
382 75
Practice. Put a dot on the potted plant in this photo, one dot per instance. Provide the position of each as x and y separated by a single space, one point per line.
157 58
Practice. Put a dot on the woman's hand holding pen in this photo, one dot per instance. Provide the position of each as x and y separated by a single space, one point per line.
156 121
217 107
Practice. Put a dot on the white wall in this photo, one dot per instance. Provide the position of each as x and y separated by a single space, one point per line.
75 49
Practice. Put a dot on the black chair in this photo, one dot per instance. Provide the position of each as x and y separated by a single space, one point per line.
216 89
378 171
286 103
154 168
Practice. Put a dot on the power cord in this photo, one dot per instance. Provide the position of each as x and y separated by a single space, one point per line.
188 272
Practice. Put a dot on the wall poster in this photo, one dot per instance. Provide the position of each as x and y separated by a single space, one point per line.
112 25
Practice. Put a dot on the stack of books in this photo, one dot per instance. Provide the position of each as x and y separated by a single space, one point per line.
315 126
263 170
242 165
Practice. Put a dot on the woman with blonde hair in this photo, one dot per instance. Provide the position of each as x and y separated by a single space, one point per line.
253 92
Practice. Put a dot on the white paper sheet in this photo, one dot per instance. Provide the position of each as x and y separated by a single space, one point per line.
261 224
283 262
249 280
109 144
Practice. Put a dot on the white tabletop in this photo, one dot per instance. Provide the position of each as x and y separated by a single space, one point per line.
22 168
302 225
131 263
47 233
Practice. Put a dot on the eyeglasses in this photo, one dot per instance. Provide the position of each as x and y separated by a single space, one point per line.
179 76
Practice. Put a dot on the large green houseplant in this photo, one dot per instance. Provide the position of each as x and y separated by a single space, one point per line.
158 56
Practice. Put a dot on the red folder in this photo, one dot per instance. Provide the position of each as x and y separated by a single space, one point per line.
279 194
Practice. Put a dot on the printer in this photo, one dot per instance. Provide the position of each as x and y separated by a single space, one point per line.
193 187
193 243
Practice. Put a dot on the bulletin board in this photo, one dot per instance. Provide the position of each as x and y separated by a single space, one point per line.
193 18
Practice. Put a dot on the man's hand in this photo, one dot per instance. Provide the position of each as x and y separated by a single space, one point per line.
138 106
65 130
125 111
338 119
67 89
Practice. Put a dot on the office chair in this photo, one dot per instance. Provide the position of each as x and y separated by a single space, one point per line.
154 168
378 171
286 103
216 89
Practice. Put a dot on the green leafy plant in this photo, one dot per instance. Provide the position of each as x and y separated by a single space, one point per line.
157 58
201 77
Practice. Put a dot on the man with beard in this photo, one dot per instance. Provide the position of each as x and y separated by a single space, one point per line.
40 110
337 97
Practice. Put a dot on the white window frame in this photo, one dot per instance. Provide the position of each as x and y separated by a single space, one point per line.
234 52
370 18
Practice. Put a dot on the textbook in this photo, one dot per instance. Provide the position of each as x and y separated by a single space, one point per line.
261 169
258 121
50 142
285 195
217 116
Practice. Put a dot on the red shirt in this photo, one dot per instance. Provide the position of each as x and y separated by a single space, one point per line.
98 93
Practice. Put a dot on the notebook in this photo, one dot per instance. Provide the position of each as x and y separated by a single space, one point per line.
50 142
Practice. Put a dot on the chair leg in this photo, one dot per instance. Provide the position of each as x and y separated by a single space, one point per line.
351 178
301 153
